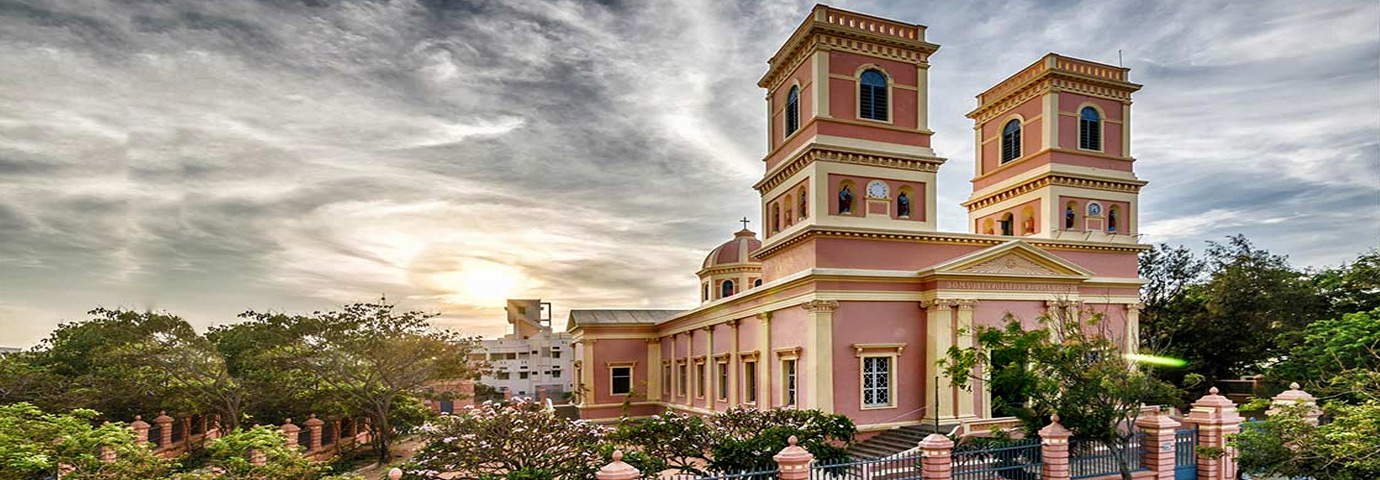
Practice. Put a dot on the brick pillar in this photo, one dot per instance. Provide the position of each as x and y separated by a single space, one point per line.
257 458
107 454
1159 444
290 433
1295 396
792 463
313 425
335 433
617 470
1217 420
1054 450
141 430
937 452
164 423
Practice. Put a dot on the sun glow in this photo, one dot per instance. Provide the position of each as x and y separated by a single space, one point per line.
478 282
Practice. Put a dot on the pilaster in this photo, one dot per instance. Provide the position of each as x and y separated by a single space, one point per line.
821 84
765 382
733 363
711 393
939 335
922 98
965 336
1132 340
653 369
587 388
819 356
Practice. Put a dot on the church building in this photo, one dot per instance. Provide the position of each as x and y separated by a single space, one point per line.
851 295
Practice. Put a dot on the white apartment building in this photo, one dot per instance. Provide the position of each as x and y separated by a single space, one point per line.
531 358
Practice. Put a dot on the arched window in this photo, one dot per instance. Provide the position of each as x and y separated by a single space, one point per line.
792 110
727 289
757 283
706 292
1011 141
1089 129
872 95
1008 225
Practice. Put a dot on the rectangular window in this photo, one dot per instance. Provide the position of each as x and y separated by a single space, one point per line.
684 377
522 375
502 375
555 374
723 382
876 381
788 380
750 382
666 379
699 380
555 354
620 382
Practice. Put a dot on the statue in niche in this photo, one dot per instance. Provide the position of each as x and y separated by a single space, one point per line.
845 201
1069 217
1111 221
903 206
1029 226
804 206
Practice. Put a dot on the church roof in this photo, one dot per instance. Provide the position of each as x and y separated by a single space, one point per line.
736 251
618 317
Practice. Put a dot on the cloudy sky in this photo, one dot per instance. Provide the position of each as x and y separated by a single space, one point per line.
217 156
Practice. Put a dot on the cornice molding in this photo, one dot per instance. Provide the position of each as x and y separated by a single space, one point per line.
817 152
820 306
813 231
1053 179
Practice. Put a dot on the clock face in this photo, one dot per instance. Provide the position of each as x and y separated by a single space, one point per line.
1094 209
877 189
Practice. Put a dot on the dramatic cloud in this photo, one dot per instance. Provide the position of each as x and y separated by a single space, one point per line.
212 157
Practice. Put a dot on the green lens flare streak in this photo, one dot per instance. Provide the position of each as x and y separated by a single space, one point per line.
1156 360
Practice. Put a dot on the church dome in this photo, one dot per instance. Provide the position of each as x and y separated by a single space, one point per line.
737 251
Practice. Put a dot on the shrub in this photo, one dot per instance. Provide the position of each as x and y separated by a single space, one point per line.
745 439
517 440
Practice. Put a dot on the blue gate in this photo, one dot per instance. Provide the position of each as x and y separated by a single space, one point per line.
1185 455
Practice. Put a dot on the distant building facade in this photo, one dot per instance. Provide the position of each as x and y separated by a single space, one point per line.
531 359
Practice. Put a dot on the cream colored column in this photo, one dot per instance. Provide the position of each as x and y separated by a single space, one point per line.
771 127
711 393
587 389
654 369
1132 340
1126 129
922 96
977 163
1051 119
690 368
819 354
764 357
939 334
733 364
964 399
821 82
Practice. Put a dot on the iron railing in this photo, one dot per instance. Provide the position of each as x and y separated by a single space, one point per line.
901 466
762 475
1013 460
1185 444
1093 459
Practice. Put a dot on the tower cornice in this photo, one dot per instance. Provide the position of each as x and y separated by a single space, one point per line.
1049 179
815 231
828 153
832 28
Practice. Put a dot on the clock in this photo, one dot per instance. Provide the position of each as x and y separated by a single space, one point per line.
1094 209
877 189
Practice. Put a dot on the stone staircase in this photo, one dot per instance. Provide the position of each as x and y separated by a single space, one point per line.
893 441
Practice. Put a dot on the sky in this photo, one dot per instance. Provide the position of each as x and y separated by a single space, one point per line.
208 158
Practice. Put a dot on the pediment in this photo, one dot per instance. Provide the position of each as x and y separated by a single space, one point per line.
1010 259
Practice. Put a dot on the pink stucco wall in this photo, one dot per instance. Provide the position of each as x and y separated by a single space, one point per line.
607 351
778 100
886 322
885 255
843 94
788 327
1031 136
1068 124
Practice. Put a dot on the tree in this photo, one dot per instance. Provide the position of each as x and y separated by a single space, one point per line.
370 357
231 458
34 444
515 440
1334 355
1075 369
745 438
1287 446
668 441
1350 288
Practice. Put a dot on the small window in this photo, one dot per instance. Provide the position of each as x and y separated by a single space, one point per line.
666 379
522 375
872 101
1089 129
788 380
722 393
792 110
555 354
1007 225
726 289
1011 141
699 380
555 374
706 292
757 283
750 382
876 387
621 380
683 379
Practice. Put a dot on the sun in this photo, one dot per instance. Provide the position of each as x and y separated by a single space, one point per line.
478 282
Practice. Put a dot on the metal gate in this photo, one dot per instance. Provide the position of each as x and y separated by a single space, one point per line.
1185 454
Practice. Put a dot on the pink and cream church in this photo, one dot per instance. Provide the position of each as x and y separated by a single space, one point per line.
850 295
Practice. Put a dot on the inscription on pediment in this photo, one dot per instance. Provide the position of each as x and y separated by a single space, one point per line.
1010 265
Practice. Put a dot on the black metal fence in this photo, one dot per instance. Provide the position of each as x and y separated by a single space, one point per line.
1013 460
903 466
762 475
1095 459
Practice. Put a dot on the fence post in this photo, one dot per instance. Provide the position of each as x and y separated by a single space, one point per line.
164 423
1295 396
107 454
395 474
617 470
936 453
314 432
793 462
1054 450
1217 420
290 433
141 430
1160 431
335 433
257 458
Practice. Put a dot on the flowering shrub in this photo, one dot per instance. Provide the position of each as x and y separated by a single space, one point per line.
517 440
745 438
669 440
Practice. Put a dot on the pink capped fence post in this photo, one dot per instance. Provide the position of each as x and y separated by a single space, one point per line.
937 456
141 430
164 423
290 433
793 462
314 432
1296 396
1159 444
1217 420
1054 450
395 474
617 469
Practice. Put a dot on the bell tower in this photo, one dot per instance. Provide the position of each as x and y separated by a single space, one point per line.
1053 147
848 128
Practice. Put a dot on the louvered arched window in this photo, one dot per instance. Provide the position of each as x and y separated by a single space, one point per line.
727 289
792 110
1011 141
1089 129
872 101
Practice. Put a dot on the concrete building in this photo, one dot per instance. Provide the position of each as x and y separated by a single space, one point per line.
531 359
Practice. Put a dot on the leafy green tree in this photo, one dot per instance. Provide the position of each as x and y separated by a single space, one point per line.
1287 446
1350 288
1334 355
22 380
34 444
1076 369
519 439
178 357
232 458
667 441
745 439
278 390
